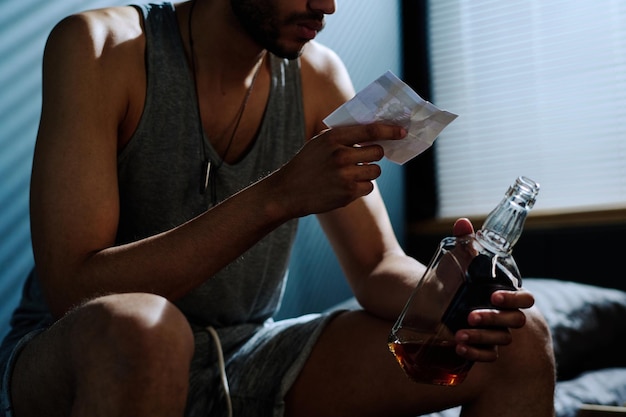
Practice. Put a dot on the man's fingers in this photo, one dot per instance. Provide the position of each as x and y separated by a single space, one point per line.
480 344
497 318
485 354
357 134
462 227
513 299
357 155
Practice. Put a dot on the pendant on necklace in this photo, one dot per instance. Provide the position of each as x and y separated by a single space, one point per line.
206 174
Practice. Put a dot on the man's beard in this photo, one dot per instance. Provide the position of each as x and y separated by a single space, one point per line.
259 19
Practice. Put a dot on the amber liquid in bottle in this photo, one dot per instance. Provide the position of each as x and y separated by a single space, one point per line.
430 361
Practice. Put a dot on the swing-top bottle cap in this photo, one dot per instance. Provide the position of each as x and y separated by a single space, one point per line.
525 191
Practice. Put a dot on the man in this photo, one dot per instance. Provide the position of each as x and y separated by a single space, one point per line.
169 169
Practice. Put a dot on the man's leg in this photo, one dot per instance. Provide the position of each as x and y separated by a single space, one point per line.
126 354
351 373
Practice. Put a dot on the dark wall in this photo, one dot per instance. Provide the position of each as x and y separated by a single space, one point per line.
420 187
587 254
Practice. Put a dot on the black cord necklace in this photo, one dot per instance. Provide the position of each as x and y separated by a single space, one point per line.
208 171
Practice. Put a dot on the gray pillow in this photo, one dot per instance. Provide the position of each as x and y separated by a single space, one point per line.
588 324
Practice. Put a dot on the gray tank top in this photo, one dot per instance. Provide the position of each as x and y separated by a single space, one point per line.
160 174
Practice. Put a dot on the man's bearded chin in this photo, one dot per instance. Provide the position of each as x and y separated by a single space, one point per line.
258 19
269 39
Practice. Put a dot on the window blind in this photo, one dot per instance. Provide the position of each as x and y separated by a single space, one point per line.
540 89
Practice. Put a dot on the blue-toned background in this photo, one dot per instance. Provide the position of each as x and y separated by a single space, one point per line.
367 36
365 33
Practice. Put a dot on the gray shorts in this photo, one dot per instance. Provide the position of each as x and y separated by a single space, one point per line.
261 363
260 367
8 356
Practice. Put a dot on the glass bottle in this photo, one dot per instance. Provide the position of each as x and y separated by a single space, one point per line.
461 277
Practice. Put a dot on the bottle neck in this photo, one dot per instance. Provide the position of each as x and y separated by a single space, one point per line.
503 226
501 230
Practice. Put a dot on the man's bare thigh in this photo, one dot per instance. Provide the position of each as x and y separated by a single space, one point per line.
352 370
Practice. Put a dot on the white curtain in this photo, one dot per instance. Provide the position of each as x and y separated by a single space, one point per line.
540 89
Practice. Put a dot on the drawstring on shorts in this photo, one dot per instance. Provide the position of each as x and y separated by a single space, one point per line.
222 366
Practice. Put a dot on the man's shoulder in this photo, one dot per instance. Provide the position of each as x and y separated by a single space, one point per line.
99 30
98 54
326 84
321 66
320 59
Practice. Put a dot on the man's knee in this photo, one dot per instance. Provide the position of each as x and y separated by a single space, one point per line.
127 345
539 330
532 345
132 328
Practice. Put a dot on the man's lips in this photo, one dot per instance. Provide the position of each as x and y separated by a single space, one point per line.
308 30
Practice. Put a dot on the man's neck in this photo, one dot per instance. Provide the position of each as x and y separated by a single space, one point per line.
220 44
